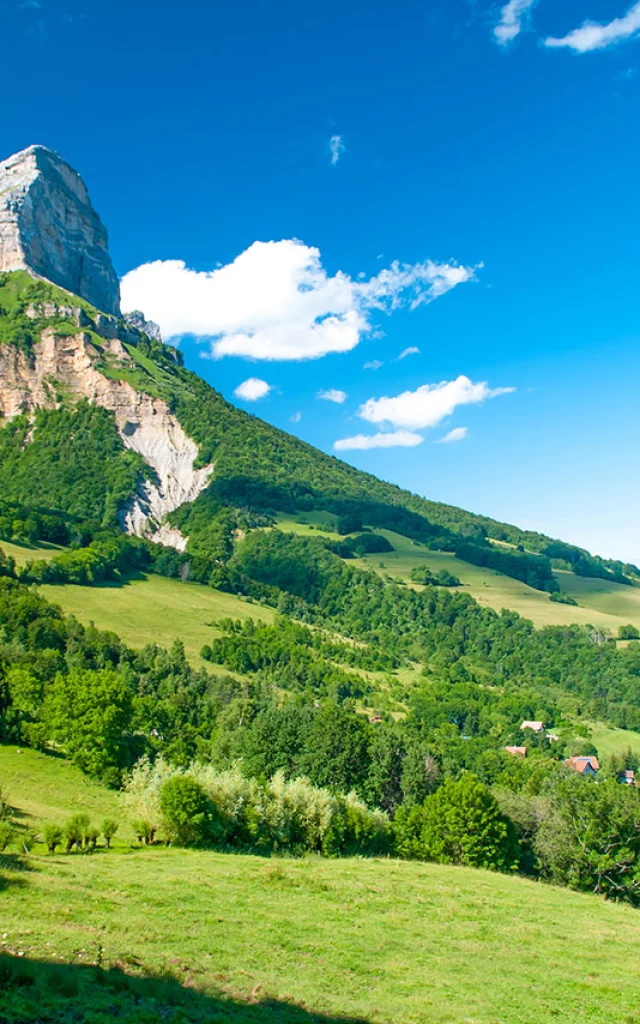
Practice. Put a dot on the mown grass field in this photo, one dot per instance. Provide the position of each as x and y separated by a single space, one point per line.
22 553
312 941
603 604
42 787
154 609
381 941
613 741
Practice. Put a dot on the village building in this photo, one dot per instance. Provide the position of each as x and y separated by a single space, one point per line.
517 751
587 766
534 726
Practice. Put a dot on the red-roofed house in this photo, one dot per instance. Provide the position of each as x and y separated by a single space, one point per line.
517 751
534 726
628 778
583 765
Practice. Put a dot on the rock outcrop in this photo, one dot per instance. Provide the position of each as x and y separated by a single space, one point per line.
137 320
69 366
49 228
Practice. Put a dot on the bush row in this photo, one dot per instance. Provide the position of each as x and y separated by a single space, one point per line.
200 806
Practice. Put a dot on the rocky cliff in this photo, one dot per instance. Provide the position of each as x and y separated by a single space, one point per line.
70 367
49 228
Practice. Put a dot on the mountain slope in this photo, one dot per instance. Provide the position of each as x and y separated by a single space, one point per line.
198 454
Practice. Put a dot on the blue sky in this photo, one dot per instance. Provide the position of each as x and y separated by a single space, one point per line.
455 177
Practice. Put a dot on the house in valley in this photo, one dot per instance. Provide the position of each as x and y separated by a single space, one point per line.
587 765
534 726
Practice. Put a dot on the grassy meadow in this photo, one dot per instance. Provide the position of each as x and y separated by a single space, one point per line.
379 941
22 553
610 741
150 936
154 609
603 604
149 609
42 787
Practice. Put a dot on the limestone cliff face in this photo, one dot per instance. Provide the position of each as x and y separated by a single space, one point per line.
67 365
49 228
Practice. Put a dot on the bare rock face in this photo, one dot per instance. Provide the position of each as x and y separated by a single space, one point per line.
49 228
137 320
67 364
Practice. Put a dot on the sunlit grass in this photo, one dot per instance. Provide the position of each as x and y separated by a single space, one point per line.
382 940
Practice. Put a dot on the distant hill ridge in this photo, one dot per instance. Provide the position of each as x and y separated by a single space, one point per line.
198 457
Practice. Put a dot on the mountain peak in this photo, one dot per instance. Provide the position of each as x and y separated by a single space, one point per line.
49 227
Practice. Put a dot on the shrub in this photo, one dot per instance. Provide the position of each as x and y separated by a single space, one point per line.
75 830
186 811
424 574
628 633
527 813
591 838
109 829
91 837
52 836
357 830
142 796
461 823
203 806
368 544
145 831
559 598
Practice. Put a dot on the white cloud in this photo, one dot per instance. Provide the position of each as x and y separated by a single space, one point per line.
336 148
252 389
333 395
429 404
375 364
297 416
413 350
276 300
394 439
512 17
594 36
457 434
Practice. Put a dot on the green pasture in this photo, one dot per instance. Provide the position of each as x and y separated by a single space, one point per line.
22 553
154 609
603 604
613 741
296 940
43 787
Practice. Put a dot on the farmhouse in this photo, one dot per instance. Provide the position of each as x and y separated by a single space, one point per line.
628 778
587 766
534 726
517 751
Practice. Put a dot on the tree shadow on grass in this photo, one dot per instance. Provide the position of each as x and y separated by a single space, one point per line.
41 992
17 866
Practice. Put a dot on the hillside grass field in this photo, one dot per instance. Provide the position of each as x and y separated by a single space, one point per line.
309 940
603 604
22 553
147 609
154 609
610 741
41 787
